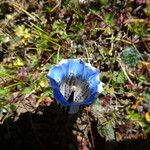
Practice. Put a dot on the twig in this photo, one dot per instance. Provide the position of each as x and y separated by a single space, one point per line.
23 10
93 144
87 53
125 73
58 54
138 52
146 45
112 41
56 7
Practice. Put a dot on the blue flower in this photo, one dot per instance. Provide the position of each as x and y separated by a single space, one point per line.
75 83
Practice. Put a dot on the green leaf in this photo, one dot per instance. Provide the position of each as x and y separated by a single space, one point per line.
102 2
119 77
97 107
34 60
13 107
21 31
107 131
27 90
18 62
48 92
130 57
3 71
109 18
132 115
58 27
42 44
137 28
148 10
3 92
146 101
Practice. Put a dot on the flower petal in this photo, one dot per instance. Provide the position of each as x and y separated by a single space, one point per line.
76 67
89 71
90 99
95 91
53 84
100 87
60 98
94 82
59 71
56 73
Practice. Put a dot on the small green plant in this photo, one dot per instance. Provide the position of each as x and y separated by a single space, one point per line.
136 117
109 18
119 77
107 131
4 96
137 28
130 57
22 33
58 28
148 10
146 101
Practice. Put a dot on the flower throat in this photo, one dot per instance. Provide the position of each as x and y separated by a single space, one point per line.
74 89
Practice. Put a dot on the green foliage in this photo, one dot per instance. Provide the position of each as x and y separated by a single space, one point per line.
3 92
107 131
130 57
137 28
119 77
4 96
102 2
41 36
118 80
146 101
18 62
58 28
109 18
136 117
13 107
3 72
27 90
141 79
22 32
97 107
148 10
41 43
78 27
48 92
34 60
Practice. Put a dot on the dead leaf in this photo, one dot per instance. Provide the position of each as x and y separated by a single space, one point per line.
137 103
147 117
22 74
44 101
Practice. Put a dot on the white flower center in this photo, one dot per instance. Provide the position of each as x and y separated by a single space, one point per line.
74 89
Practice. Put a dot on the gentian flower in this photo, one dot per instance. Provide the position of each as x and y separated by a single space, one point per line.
75 83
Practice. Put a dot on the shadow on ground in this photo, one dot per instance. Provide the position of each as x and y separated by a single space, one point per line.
49 128
101 144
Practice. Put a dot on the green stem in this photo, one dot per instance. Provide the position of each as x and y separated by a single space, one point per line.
18 83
